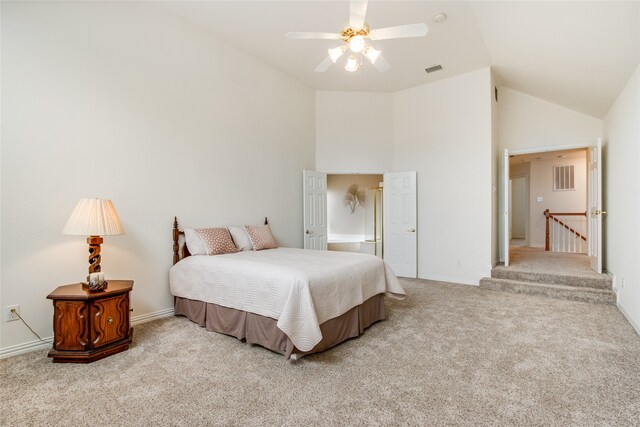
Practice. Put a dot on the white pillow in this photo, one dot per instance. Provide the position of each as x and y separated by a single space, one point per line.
241 238
194 242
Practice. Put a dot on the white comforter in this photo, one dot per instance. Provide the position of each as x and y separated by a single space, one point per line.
300 288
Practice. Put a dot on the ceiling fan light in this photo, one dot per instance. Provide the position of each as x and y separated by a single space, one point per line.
337 52
371 53
356 44
352 63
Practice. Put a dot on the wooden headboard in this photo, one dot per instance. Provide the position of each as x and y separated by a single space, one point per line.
177 250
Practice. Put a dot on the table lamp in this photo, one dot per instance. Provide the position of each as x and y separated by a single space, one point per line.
94 218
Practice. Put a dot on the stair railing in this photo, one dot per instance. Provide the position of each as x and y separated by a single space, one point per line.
566 234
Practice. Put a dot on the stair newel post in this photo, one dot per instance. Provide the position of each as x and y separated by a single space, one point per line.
546 238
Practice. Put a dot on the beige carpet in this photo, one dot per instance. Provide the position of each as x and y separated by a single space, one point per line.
449 354
539 260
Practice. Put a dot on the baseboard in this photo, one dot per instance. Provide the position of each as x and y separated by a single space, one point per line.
17 349
26 347
614 284
634 325
448 279
148 317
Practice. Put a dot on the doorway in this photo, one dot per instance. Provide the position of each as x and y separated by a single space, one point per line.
394 219
547 195
354 213
519 226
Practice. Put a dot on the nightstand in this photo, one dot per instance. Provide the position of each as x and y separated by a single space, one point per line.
88 326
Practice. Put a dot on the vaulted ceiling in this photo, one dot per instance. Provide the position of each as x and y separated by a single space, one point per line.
578 54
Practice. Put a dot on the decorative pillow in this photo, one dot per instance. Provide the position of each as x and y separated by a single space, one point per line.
261 237
217 241
241 238
194 242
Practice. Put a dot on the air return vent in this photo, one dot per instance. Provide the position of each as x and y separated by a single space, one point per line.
433 68
563 178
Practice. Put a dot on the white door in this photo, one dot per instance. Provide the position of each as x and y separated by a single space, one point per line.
506 202
400 223
315 209
595 212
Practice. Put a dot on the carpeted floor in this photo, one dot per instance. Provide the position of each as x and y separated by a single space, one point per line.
449 354
539 260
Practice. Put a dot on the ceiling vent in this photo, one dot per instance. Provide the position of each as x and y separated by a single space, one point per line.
433 68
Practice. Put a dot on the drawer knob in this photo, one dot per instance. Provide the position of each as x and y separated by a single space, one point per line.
110 320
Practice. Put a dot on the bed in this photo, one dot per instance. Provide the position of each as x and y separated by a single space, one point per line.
291 301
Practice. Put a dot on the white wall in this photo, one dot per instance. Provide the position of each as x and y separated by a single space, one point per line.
354 132
117 100
522 170
519 208
528 122
541 185
340 219
442 130
622 197
495 170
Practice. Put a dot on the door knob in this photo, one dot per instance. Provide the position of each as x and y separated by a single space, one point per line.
411 230
309 232
598 212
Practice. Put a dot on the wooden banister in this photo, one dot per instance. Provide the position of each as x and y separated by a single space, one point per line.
552 215
566 213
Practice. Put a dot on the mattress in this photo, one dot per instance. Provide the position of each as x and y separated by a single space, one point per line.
301 289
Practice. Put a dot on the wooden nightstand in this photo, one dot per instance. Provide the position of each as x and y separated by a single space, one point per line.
88 326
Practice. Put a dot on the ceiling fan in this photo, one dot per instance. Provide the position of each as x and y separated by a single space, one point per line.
355 39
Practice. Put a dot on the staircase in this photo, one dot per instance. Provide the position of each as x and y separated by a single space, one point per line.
589 287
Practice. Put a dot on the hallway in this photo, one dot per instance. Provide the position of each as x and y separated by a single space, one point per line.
537 260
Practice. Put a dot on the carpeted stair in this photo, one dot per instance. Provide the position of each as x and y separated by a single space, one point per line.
594 288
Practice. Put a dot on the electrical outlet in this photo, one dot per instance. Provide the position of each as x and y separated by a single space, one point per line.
8 315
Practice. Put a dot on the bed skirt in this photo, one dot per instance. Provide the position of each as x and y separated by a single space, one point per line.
263 331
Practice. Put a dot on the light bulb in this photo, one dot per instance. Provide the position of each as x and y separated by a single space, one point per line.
336 52
371 53
356 43
352 63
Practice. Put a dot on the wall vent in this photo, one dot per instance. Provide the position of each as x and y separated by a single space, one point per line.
433 68
563 178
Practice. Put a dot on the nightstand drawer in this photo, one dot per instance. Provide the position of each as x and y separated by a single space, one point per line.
109 320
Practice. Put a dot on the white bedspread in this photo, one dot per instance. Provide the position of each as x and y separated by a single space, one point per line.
300 288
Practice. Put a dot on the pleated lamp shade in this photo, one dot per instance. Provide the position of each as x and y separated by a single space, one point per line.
94 217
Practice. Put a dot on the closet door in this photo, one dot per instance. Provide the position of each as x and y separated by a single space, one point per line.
315 209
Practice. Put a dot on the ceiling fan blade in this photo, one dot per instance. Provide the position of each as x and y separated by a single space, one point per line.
382 64
399 32
357 13
324 65
312 36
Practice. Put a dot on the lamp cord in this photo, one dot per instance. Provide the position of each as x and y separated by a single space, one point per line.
15 312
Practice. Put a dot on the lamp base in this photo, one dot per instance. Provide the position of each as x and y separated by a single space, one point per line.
94 253
95 286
